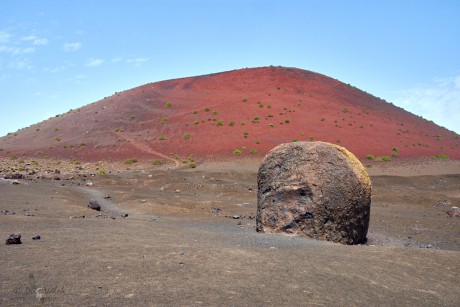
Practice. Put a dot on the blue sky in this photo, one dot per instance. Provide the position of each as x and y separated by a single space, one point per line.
60 55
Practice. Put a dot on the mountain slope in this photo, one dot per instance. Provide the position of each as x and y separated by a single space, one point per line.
252 110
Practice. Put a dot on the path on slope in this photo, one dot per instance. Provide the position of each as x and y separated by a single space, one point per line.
146 148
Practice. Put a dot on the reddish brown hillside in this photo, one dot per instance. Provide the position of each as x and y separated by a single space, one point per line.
252 110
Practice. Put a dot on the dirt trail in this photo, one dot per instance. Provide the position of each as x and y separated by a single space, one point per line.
146 148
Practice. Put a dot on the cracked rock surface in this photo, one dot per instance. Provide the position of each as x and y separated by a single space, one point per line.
314 189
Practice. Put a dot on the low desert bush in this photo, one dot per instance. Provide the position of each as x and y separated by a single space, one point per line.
130 161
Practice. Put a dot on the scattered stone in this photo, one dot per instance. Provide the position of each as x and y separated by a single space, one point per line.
107 196
15 182
7 212
453 212
216 211
89 184
442 203
56 178
314 189
236 217
14 238
16 176
37 237
425 246
93 204
181 253
28 214
124 215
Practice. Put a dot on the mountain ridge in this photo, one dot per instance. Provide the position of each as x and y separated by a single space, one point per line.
244 112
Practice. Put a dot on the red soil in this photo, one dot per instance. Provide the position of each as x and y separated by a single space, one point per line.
289 104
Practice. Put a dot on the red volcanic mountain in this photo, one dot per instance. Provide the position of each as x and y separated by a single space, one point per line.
250 110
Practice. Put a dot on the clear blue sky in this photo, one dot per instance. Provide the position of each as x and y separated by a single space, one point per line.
60 55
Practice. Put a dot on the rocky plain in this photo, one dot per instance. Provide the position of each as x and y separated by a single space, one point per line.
186 236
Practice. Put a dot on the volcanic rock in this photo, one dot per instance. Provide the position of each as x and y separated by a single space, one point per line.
14 176
93 204
314 189
14 238
454 211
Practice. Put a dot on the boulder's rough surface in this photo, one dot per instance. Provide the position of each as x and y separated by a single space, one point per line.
314 189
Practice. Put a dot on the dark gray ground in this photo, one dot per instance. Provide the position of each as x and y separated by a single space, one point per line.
173 249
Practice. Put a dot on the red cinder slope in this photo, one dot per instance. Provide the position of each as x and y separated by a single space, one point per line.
251 110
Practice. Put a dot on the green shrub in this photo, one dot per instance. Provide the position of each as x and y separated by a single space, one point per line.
215 112
244 100
440 157
162 138
186 136
195 112
395 149
132 116
311 138
220 123
101 171
295 140
370 157
256 120
130 161
157 162
168 104
287 121
206 109
164 120
58 139
384 159
245 134
394 155
253 152
236 152
231 123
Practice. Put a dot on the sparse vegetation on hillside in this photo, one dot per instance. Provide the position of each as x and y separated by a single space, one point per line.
130 161
186 136
157 162
168 104
237 152
440 157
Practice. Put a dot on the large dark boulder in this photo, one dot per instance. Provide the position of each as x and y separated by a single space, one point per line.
314 189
